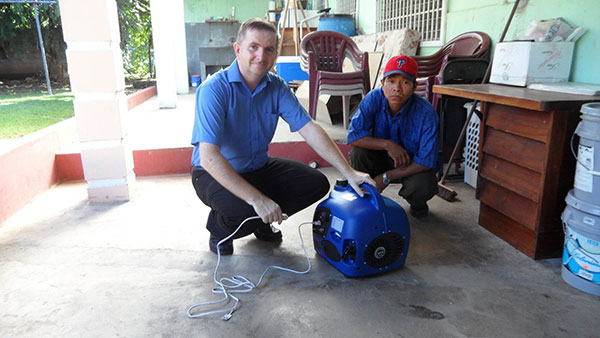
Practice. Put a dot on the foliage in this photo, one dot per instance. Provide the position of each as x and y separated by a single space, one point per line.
18 21
24 113
19 17
136 37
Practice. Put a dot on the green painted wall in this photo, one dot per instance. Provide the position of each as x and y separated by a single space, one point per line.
490 16
367 16
199 10
463 15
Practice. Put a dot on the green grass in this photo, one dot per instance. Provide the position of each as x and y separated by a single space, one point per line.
24 113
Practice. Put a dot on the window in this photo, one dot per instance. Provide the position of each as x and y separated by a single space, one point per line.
345 6
425 16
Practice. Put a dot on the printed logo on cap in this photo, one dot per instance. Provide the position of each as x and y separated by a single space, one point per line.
400 63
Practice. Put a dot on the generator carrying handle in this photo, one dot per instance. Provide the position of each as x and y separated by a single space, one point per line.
376 198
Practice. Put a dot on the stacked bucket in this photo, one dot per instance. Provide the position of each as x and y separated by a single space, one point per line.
581 217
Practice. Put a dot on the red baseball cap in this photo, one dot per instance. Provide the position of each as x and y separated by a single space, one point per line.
401 64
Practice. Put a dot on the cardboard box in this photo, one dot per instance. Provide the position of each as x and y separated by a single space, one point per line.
288 67
520 63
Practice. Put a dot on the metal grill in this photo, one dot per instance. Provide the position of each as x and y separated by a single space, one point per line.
425 16
345 6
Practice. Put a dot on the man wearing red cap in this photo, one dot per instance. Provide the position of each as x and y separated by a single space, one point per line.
394 135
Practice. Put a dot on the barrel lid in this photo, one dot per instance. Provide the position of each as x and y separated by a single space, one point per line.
341 182
582 205
592 108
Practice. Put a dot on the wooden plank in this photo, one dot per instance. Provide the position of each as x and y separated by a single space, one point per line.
520 150
560 171
516 96
520 180
510 204
522 122
512 232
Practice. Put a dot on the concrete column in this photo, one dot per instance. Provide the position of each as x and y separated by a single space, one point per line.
165 57
181 68
91 31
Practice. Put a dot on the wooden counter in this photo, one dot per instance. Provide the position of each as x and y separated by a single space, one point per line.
525 163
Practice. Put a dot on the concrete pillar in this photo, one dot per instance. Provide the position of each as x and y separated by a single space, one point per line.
181 68
91 31
165 56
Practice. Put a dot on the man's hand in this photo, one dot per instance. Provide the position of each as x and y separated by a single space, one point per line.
398 154
379 183
267 210
221 170
356 178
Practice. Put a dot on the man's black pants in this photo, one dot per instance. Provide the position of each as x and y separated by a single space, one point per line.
417 189
291 184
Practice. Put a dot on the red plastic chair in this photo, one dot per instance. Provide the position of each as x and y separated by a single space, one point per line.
322 56
466 45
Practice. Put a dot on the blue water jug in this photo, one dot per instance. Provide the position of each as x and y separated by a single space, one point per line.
360 236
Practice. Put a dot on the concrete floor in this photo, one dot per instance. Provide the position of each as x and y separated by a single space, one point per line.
73 269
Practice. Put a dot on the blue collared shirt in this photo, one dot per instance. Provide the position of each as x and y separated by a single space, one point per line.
415 127
240 122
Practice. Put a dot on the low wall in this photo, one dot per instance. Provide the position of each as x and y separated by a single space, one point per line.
30 165
140 96
154 162
33 163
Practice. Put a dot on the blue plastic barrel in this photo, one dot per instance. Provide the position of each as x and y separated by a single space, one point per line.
342 23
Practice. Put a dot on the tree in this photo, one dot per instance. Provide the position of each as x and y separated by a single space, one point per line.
18 35
136 37
18 32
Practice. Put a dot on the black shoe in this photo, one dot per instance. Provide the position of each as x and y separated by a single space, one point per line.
226 248
419 212
268 233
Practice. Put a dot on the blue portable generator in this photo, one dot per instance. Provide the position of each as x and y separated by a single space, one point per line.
360 236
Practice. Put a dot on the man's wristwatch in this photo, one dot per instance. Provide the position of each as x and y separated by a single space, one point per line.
386 180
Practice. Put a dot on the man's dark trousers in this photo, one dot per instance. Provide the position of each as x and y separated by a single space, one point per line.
291 184
417 189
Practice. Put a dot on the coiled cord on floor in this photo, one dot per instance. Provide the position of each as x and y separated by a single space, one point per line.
239 284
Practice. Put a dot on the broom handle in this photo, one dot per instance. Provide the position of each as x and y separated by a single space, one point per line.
486 77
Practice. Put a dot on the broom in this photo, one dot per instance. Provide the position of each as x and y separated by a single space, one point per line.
444 191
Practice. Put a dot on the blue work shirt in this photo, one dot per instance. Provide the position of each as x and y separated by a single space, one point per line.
240 122
415 127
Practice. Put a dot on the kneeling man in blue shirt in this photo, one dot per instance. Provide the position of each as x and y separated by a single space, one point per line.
237 111
394 134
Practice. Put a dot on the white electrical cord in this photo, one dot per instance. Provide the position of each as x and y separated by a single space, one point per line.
239 284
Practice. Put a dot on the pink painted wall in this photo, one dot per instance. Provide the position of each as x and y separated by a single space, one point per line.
30 168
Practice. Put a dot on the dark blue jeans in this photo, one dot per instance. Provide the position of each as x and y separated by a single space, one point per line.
291 184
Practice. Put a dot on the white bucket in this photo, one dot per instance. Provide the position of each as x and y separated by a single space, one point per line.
581 253
587 172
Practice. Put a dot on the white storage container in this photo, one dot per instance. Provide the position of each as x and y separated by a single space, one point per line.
520 63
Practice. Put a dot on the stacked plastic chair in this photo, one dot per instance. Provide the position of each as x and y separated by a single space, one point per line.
466 45
322 56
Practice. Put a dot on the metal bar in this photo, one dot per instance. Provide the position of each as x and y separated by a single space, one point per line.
39 31
28 2
403 22
428 19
